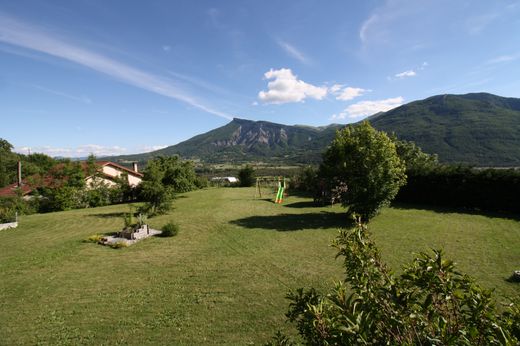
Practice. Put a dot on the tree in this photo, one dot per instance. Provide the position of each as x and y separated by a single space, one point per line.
430 303
7 163
366 161
153 191
413 156
246 176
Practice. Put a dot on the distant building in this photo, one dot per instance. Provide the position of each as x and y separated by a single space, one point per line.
225 180
107 173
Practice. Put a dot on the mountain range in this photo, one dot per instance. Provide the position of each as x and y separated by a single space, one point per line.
478 129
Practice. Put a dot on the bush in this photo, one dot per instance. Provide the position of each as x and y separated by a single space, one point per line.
306 180
170 230
95 238
429 303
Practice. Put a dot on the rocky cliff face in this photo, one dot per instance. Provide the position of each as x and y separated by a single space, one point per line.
249 134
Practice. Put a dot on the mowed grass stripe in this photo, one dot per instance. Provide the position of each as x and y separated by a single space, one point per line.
221 280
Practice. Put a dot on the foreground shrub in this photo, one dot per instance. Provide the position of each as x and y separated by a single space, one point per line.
429 304
170 230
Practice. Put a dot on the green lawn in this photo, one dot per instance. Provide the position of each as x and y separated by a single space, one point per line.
221 280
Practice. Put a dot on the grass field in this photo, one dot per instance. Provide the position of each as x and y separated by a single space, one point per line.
222 280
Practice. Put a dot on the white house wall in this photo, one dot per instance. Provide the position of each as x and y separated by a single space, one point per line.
133 180
114 172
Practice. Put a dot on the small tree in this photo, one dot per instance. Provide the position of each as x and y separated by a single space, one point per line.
366 160
246 176
153 191
429 304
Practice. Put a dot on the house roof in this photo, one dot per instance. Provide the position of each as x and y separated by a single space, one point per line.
12 189
113 164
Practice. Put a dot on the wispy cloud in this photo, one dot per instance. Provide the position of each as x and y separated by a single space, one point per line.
148 148
82 99
409 73
199 83
476 24
366 26
17 33
166 48
366 108
80 151
293 52
285 87
503 59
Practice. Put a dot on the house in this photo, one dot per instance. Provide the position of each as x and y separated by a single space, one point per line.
107 172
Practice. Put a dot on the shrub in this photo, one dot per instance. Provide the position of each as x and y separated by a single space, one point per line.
119 245
95 238
170 230
429 303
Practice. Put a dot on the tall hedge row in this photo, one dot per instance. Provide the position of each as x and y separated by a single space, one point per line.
448 186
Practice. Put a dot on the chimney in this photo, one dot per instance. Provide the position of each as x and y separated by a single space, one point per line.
19 175
134 165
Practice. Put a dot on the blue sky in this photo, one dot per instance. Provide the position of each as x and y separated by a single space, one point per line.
121 77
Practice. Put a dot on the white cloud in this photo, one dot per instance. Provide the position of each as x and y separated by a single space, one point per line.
285 87
80 151
348 93
23 35
166 48
409 73
366 108
293 51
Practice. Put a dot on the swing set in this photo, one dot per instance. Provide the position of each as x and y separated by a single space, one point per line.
270 182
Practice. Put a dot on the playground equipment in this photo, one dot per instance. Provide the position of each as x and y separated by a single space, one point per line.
281 188
271 182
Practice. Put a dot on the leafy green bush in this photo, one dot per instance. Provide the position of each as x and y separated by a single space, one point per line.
10 206
428 304
170 230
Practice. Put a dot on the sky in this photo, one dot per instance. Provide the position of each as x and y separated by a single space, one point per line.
122 77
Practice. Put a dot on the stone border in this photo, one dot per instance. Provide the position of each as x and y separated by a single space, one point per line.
109 240
8 225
